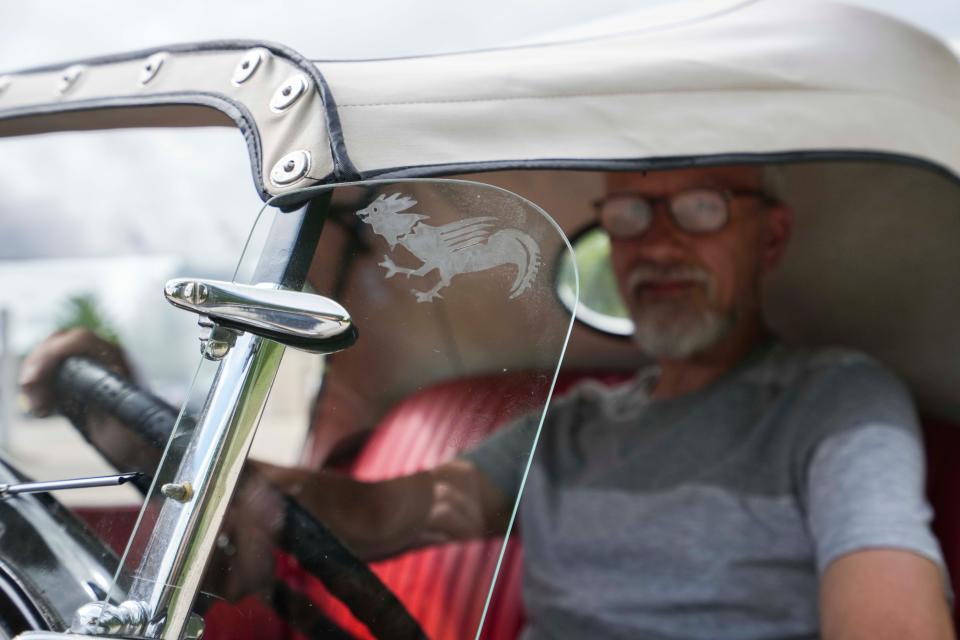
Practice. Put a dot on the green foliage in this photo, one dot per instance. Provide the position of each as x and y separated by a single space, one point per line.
598 287
82 311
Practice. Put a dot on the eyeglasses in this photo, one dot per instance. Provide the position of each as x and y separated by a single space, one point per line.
697 211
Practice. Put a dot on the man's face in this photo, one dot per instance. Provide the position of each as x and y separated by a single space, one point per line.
686 291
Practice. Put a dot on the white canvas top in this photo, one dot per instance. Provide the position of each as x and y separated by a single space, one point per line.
770 76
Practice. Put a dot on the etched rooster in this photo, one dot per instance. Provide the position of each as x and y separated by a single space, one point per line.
464 246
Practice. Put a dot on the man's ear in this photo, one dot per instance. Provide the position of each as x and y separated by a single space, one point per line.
776 234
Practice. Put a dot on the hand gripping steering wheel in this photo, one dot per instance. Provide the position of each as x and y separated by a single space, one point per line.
82 386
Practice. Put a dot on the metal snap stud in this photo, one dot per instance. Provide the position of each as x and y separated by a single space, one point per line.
289 92
290 168
248 65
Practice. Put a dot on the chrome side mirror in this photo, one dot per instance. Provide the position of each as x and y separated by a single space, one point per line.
300 320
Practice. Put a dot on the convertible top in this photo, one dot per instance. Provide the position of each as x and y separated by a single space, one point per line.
771 77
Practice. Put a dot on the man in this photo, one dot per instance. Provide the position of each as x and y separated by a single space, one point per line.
742 489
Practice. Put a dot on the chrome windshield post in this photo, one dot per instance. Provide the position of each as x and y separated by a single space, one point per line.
186 531
160 581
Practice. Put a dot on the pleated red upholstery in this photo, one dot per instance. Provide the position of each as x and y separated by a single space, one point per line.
446 587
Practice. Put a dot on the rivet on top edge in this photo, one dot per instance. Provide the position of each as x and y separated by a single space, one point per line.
151 67
69 78
248 65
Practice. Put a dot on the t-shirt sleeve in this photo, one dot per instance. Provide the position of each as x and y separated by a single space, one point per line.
866 491
865 475
503 456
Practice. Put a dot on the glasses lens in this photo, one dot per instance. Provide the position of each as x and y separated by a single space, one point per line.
626 216
700 210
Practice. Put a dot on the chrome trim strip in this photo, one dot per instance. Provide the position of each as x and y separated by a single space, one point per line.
168 577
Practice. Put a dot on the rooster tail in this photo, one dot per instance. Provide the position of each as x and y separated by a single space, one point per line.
528 262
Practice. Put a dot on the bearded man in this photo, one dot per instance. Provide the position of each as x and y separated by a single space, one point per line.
740 488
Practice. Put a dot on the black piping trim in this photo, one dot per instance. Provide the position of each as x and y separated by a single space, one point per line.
343 168
660 163
296 198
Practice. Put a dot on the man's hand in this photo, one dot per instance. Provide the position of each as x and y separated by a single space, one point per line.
243 561
881 594
454 501
38 369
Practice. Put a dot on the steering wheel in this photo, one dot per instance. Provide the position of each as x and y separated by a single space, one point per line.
82 385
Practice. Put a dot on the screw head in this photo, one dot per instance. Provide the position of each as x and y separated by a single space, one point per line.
179 491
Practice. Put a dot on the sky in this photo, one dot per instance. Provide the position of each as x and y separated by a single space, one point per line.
46 31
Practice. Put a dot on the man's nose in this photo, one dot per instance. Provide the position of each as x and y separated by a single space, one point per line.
663 241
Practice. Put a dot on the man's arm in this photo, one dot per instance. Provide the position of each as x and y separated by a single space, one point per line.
881 594
881 570
454 501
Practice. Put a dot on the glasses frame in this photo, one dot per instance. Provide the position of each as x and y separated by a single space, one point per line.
726 194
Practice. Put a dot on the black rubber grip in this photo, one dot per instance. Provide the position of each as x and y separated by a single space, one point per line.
349 579
83 387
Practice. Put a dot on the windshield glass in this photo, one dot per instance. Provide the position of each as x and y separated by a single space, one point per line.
86 245
450 285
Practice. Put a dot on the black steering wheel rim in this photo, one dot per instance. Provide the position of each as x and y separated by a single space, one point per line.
81 384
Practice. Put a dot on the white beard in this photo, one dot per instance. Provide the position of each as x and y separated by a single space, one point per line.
675 328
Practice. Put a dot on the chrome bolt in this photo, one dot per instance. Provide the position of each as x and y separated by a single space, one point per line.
195 292
179 491
101 618
215 341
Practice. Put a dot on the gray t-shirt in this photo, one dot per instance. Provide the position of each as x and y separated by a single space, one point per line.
711 515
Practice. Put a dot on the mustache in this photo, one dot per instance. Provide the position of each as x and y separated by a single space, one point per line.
646 273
